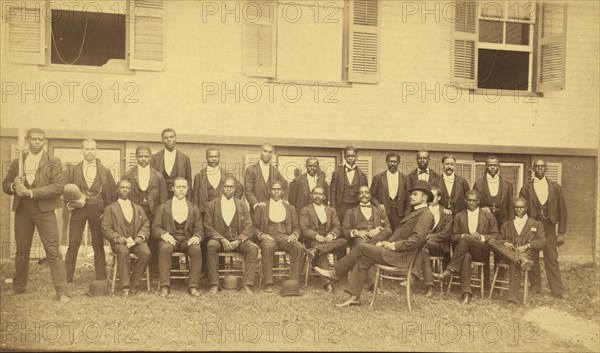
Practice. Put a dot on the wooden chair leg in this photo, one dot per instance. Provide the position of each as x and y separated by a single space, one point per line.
494 282
114 275
408 290
148 277
482 276
375 286
450 283
526 287
307 269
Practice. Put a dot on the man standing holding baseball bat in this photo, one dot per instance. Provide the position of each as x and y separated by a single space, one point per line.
36 181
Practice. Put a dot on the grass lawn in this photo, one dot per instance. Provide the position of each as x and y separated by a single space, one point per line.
235 321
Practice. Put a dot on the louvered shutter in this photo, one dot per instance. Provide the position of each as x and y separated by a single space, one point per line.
364 41
365 163
25 32
551 47
260 39
145 19
467 170
554 171
130 160
464 44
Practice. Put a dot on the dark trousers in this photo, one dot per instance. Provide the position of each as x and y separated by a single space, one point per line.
360 260
393 217
513 258
152 244
280 242
550 263
354 242
468 249
124 263
79 216
323 249
164 262
249 251
433 249
343 207
28 216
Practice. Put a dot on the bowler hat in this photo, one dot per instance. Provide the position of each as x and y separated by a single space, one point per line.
230 282
97 289
423 186
73 196
289 288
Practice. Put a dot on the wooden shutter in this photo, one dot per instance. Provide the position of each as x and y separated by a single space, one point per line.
260 39
130 160
365 163
25 32
145 19
467 170
364 39
554 171
551 47
464 44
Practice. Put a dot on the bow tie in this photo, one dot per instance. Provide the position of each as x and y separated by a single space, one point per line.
365 205
423 171
349 169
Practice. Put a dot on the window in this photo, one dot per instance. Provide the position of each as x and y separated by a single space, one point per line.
513 45
343 37
120 34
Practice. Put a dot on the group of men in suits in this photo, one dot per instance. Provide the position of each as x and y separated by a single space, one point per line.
155 209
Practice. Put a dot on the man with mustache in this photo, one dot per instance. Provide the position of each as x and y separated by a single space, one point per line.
385 249
453 186
97 183
301 188
389 189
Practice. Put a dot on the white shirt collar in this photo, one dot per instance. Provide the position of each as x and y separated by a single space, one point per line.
171 152
35 157
492 179
350 167
226 200
536 180
124 202
391 174
435 208
210 170
145 169
84 162
423 205
449 178
476 211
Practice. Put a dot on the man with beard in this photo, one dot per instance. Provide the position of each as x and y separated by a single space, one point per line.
453 186
302 186
422 172
366 221
259 176
389 188
389 250
321 232
98 185
496 193
171 163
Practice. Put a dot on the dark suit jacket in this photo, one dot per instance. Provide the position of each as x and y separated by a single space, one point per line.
113 222
200 191
156 192
533 233
486 224
309 223
379 219
184 167
300 192
441 232
47 186
337 184
556 206
412 177
256 188
163 222
505 191
261 220
74 174
215 227
459 188
380 191
410 233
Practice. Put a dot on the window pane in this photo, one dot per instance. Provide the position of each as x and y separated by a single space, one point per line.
492 8
501 69
517 33
490 31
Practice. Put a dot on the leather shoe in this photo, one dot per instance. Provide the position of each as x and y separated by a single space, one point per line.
466 298
247 289
330 274
328 288
214 289
194 292
429 293
444 277
311 253
164 291
125 292
349 302
526 265
63 299
268 288
413 279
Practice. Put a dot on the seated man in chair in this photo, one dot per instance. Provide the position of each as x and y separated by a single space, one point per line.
321 232
395 250
229 228
473 228
276 228
126 227
519 243
178 226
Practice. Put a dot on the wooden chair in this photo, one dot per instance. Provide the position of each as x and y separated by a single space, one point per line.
231 263
111 279
477 281
179 268
502 283
437 267
397 274
309 270
281 265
